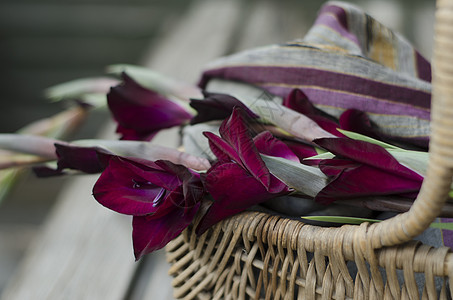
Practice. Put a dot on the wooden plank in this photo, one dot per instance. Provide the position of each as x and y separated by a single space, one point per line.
15 239
61 260
79 236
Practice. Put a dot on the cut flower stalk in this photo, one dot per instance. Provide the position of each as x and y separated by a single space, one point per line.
44 149
141 113
160 188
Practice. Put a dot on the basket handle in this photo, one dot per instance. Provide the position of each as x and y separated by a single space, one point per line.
437 183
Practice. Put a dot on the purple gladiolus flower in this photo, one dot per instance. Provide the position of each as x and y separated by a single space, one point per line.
216 106
89 160
363 169
267 144
358 121
298 101
240 179
301 150
140 112
351 119
162 197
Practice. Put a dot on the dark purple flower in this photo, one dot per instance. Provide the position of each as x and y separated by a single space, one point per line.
267 144
240 179
363 169
358 121
301 150
140 112
216 106
351 119
298 101
89 160
162 197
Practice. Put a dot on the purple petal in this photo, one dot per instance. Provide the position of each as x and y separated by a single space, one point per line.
235 132
298 101
151 234
234 190
159 172
327 124
366 181
216 107
300 149
123 190
86 159
267 144
44 171
185 186
140 112
134 134
89 160
358 121
193 191
170 201
221 149
368 154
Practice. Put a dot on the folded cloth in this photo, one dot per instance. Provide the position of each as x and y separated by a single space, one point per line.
346 60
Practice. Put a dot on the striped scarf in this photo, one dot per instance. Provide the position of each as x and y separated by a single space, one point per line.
346 60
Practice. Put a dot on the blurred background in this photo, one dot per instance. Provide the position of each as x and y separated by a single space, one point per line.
46 42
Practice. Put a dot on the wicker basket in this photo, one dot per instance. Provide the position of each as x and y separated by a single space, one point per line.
261 256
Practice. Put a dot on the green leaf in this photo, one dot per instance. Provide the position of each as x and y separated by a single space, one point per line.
155 81
96 100
320 150
174 90
414 160
325 155
447 226
305 179
357 221
80 87
143 76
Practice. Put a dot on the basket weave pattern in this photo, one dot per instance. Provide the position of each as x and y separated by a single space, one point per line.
259 256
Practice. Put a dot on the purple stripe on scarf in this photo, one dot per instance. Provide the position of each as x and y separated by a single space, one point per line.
447 234
346 101
339 12
300 76
335 18
423 67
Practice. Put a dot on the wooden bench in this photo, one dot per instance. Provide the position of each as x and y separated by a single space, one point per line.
84 251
